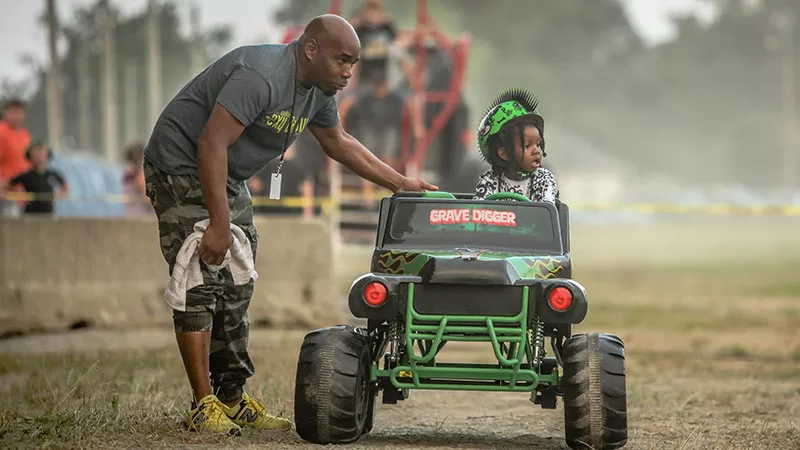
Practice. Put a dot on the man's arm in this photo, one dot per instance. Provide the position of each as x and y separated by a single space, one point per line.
345 149
238 104
14 185
220 132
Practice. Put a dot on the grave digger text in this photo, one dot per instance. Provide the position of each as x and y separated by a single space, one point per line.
480 216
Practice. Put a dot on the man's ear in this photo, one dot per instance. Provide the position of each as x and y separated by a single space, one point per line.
311 48
502 153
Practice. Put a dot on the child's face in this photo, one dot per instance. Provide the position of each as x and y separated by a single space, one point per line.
528 157
39 156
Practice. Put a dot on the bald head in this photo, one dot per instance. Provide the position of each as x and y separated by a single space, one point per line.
329 49
329 29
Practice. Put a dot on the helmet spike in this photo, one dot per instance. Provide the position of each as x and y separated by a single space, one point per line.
522 96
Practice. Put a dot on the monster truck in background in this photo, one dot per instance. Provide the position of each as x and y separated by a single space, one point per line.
448 268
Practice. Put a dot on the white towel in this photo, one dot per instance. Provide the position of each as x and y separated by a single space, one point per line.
187 274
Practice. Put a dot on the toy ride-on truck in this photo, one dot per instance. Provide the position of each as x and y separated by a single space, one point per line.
449 268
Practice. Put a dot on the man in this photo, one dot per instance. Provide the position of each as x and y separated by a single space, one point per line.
47 185
376 117
377 33
224 126
14 138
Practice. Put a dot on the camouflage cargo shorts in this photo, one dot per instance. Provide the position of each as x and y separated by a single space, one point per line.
217 305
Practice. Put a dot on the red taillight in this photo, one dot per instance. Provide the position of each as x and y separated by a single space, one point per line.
375 293
560 298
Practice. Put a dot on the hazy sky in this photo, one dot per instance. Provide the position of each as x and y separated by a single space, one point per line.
20 33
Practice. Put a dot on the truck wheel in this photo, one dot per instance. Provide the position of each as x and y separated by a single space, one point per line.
370 421
331 400
595 400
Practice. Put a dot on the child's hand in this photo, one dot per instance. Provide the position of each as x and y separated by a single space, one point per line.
61 193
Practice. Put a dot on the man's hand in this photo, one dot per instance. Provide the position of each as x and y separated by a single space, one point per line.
416 186
216 241
346 149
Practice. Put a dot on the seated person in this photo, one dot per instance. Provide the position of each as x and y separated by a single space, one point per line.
45 184
511 140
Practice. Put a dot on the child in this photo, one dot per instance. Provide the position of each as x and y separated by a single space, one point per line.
511 140
40 181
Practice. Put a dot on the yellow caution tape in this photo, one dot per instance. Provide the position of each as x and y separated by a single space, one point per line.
327 203
712 209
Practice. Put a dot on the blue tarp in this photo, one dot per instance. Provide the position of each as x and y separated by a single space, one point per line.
95 186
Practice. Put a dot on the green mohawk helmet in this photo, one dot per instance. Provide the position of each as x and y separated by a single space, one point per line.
511 106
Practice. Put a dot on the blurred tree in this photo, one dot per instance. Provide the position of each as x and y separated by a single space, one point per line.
569 52
10 88
131 48
707 106
297 13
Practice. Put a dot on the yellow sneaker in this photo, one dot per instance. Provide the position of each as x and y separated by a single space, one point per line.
250 412
209 416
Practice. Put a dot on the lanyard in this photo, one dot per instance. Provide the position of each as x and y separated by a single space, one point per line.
291 118
275 179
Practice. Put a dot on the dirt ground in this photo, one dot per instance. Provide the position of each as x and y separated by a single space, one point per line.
710 319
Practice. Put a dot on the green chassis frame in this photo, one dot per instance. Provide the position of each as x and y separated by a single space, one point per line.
511 373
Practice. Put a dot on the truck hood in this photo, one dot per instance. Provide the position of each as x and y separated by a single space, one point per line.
470 266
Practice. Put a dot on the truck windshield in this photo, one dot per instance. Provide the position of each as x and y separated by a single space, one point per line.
510 226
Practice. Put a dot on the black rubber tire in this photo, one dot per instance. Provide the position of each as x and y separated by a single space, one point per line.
370 421
331 400
595 399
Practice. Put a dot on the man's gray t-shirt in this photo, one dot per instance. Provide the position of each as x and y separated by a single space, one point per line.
255 84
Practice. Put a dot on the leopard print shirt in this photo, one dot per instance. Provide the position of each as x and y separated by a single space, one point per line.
540 187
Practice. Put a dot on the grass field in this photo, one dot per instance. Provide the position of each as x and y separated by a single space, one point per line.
710 318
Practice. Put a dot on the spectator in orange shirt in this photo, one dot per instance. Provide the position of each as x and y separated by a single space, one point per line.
14 138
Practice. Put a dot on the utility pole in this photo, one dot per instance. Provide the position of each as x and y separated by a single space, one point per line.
789 96
784 23
84 132
110 104
130 129
153 62
196 40
54 113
